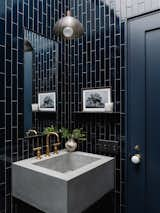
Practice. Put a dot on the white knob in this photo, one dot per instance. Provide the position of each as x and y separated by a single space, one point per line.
136 159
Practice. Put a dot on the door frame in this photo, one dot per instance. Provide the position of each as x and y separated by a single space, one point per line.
127 99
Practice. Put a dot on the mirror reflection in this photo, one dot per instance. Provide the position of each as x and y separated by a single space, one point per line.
40 66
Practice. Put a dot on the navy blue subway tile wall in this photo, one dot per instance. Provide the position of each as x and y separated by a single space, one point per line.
17 18
96 60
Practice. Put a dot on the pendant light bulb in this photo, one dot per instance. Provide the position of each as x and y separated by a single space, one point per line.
68 32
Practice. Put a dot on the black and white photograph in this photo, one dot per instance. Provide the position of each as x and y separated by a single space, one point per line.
47 101
94 100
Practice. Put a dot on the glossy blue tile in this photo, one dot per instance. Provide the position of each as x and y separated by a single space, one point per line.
14 39
112 35
8 129
2 115
20 101
26 15
112 16
8 100
14 115
2 32
35 20
31 8
40 11
9 3
15 10
31 24
14 61
2 9
97 9
8 73
2 197
107 26
9 20
122 32
117 24
20 26
2 162
2 86
20 6
35 4
2 57
44 6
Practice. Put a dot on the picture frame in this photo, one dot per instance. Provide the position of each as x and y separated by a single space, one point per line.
47 101
94 100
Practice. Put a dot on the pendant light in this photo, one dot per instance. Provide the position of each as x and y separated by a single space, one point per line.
68 27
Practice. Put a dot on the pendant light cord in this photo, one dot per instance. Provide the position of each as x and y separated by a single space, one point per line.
68 5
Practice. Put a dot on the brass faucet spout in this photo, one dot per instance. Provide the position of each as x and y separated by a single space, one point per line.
55 145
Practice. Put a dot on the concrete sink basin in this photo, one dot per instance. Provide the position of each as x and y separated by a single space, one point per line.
63 183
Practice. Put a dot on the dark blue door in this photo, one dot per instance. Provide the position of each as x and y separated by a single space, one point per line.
144 114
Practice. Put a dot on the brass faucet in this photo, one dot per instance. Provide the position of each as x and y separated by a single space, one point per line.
55 144
37 149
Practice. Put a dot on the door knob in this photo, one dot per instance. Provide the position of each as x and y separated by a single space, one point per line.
137 147
136 159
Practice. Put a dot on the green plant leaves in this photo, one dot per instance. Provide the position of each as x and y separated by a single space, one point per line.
76 134
50 129
65 133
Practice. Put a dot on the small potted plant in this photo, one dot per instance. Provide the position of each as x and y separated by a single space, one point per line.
73 137
49 129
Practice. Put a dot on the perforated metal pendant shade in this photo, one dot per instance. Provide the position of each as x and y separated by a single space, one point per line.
68 27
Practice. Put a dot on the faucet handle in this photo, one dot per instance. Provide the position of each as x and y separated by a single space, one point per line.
47 151
55 145
38 152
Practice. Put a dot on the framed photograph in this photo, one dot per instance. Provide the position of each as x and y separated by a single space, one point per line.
94 100
47 101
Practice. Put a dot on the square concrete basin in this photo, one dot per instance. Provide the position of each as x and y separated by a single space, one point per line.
63 183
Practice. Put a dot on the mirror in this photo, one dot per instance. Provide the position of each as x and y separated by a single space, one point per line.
40 67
